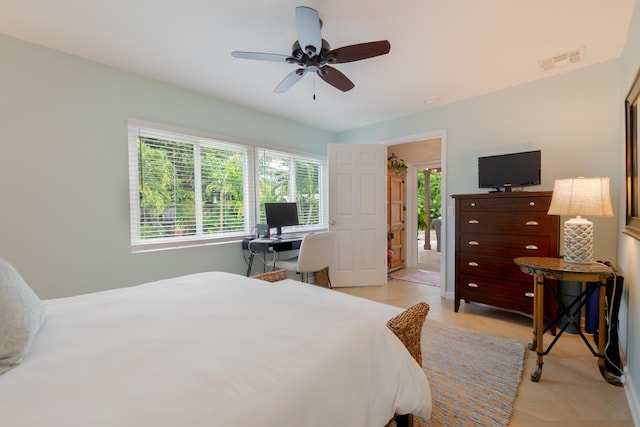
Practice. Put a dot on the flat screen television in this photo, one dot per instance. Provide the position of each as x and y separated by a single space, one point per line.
280 215
504 171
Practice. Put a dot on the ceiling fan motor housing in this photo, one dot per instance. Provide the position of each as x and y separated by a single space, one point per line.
301 58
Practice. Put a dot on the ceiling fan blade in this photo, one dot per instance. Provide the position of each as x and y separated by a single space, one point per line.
308 30
357 52
274 57
291 79
335 78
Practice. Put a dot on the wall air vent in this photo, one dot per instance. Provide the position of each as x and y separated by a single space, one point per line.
566 58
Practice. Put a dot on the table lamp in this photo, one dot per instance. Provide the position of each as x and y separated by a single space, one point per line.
580 196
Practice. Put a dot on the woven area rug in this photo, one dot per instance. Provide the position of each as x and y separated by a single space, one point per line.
424 277
473 376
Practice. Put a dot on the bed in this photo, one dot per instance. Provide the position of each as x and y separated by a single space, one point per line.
213 349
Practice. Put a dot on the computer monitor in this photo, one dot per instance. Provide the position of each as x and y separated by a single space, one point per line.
280 215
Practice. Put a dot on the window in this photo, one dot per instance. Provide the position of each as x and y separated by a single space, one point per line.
286 178
187 189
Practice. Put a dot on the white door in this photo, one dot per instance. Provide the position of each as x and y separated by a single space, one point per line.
357 213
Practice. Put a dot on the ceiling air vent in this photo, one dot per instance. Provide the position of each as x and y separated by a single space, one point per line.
566 58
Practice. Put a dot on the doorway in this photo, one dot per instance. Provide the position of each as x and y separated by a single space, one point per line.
421 152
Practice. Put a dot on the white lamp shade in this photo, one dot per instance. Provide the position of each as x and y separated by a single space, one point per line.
581 196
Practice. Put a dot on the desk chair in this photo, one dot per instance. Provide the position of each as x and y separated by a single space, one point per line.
316 252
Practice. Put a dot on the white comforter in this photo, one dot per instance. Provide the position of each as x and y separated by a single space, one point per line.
214 349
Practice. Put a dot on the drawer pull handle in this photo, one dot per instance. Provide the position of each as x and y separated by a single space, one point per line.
473 263
533 223
473 203
473 243
532 203
474 221
472 285
528 294
531 247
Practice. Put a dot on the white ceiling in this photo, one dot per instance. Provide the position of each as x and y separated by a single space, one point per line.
445 50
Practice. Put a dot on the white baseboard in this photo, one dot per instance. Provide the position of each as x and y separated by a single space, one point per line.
632 397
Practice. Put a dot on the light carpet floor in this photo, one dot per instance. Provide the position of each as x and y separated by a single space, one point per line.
473 376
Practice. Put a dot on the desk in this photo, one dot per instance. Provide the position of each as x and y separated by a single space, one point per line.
544 268
280 245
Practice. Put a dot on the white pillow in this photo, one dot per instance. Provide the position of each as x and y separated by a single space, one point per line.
21 316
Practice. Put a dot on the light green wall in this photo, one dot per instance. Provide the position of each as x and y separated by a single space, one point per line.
573 118
64 168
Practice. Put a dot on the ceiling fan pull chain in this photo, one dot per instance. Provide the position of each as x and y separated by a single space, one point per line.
314 87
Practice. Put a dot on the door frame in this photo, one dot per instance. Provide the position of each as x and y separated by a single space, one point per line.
411 200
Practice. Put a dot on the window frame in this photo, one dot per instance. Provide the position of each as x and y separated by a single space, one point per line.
251 190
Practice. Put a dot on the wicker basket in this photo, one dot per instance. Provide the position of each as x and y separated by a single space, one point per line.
408 328
322 277
272 276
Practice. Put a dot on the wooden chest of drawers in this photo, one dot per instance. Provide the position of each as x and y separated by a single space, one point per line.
493 229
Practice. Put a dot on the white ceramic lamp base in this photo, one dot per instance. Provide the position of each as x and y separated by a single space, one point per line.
578 241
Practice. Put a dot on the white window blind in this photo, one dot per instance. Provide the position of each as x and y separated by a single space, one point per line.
166 183
224 190
287 177
309 192
186 189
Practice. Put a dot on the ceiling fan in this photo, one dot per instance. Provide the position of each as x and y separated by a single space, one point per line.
311 53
